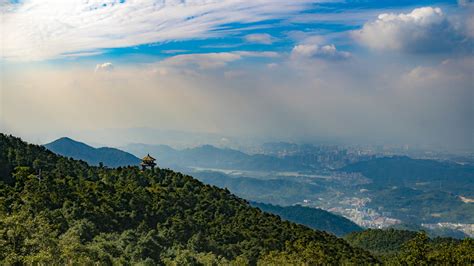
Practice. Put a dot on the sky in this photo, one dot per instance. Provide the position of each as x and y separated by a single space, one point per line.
182 72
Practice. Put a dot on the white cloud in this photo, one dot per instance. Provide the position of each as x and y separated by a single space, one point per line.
425 29
104 67
45 29
261 38
316 51
211 60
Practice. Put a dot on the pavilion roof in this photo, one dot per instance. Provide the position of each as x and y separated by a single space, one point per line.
148 158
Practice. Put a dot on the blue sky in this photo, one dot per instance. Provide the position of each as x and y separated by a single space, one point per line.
352 71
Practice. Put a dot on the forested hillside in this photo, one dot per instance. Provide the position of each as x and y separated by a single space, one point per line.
411 248
312 217
56 210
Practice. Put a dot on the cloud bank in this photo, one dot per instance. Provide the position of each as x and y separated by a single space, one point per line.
424 104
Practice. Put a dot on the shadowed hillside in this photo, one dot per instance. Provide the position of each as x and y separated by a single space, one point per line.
312 217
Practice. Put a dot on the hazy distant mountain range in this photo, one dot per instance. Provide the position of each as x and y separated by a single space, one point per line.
213 157
80 151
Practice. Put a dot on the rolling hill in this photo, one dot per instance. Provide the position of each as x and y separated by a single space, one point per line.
108 156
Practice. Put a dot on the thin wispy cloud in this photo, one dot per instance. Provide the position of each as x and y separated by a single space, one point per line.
210 60
45 29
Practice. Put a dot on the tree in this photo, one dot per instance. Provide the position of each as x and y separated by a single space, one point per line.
415 251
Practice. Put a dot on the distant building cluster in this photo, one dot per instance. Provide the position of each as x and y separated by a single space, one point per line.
366 217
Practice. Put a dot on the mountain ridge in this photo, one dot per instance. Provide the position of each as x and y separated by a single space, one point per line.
213 157
111 157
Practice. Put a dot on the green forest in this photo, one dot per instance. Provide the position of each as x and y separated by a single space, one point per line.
56 210
395 247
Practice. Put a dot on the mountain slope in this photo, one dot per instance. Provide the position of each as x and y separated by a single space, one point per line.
381 241
312 217
108 156
55 210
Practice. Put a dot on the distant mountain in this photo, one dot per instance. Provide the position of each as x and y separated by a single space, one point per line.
208 156
80 151
312 217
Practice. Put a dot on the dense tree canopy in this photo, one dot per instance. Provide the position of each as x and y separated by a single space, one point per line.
413 248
